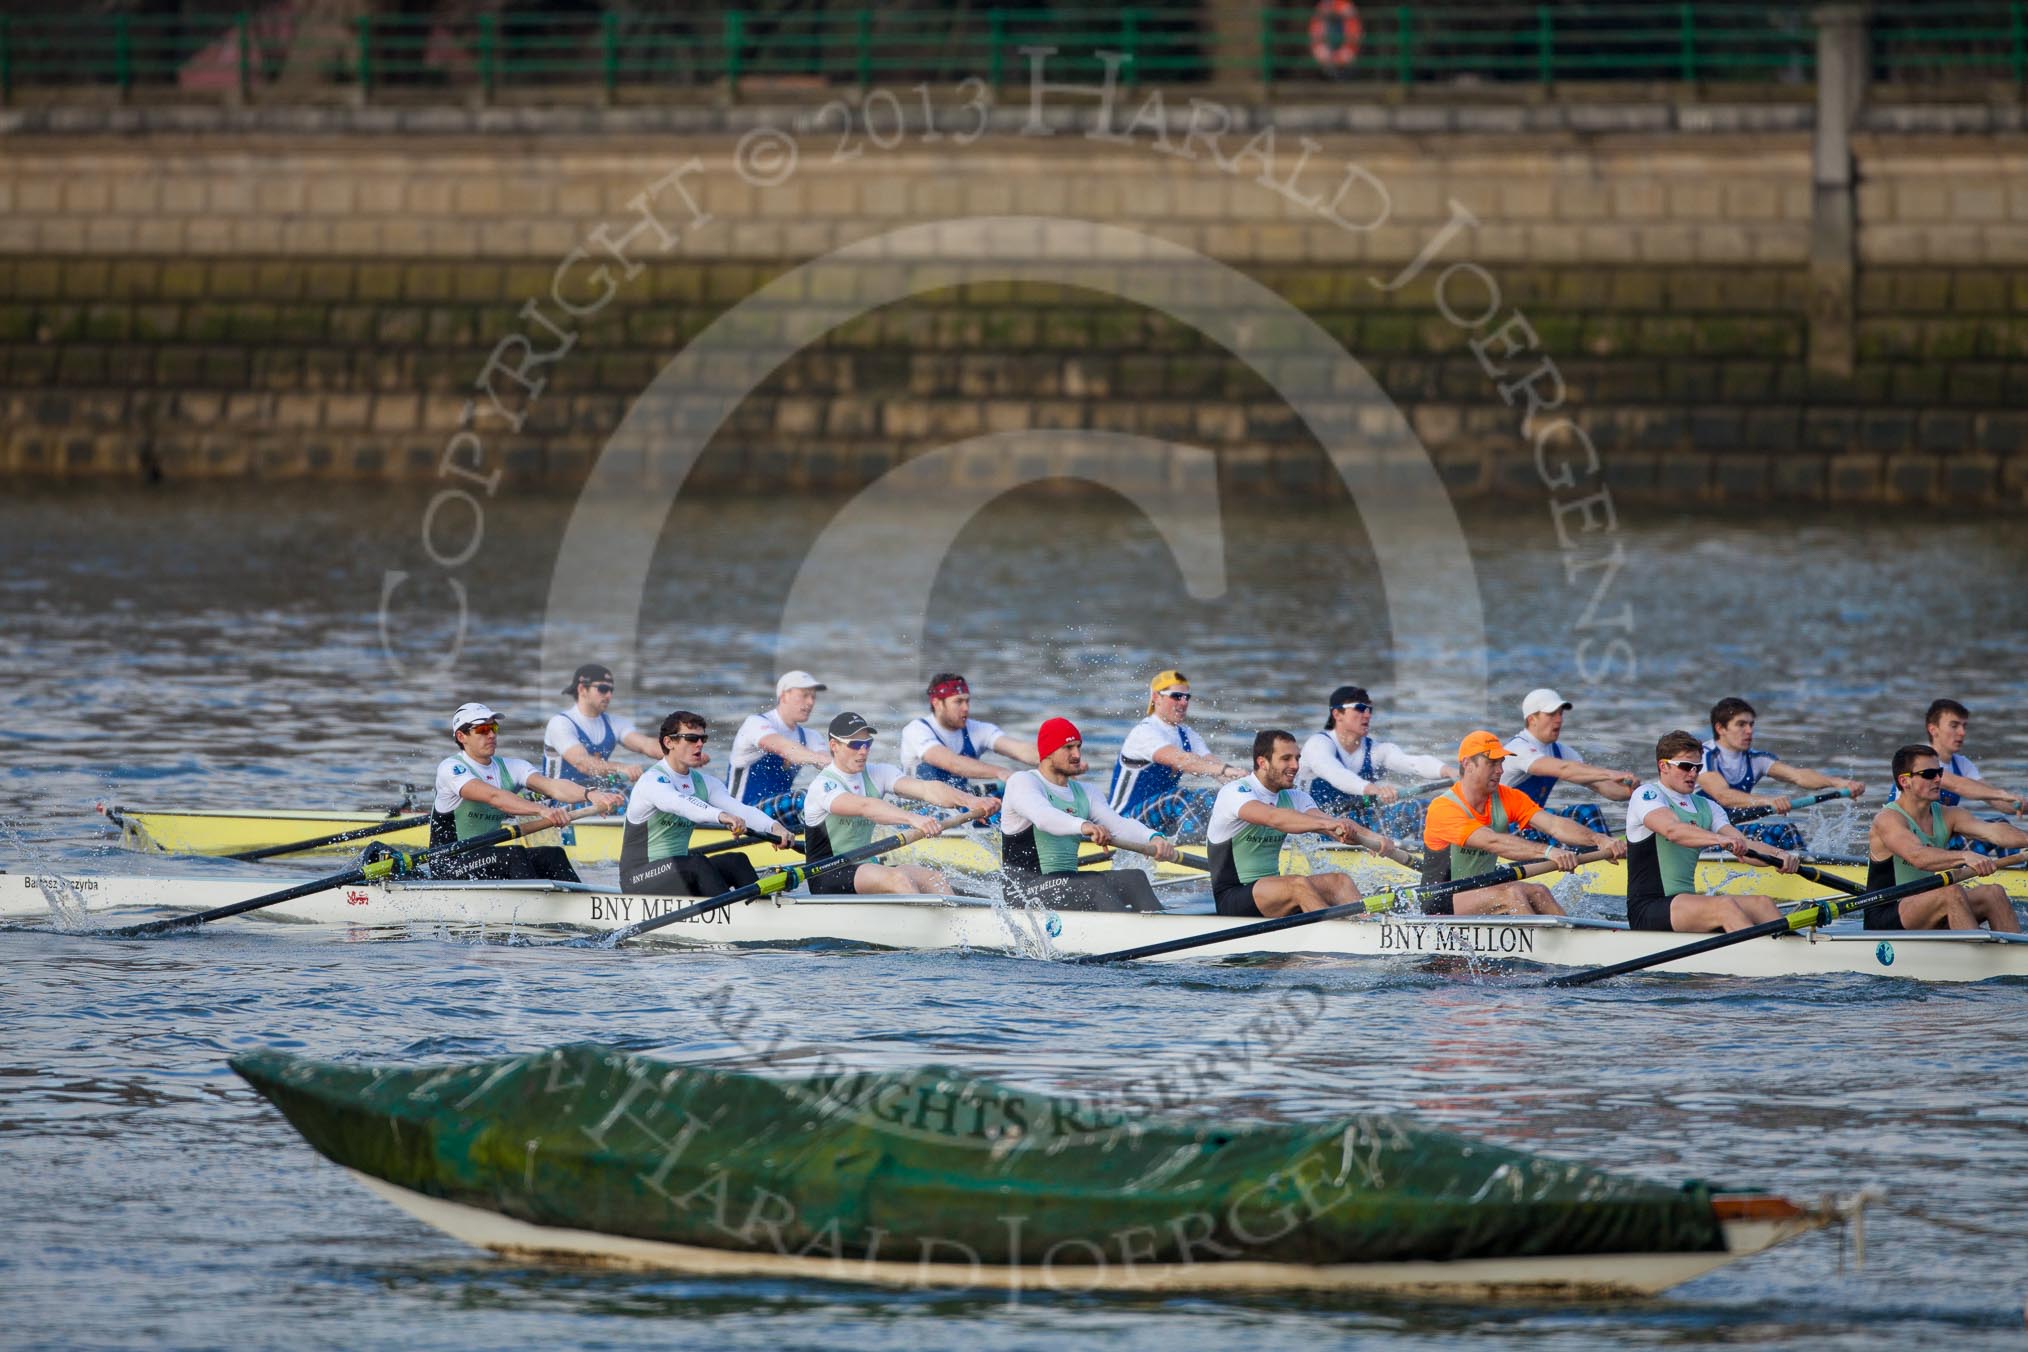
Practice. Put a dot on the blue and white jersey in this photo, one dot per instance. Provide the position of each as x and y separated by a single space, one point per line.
600 736
1740 770
973 739
1137 779
759 774
1523 750
1352 773
1953 764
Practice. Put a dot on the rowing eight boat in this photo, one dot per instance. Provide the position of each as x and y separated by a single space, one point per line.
972 924
596 840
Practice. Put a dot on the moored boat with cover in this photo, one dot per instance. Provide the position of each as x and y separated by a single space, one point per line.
935 1177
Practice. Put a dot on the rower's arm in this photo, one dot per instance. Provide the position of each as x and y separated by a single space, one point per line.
513 804
1690 835
1511 848
1190 763
795 753
873 809
1617 785
756 821
1393 760
1286 819
1568 832
1978 828
1897 838
1979 791
943 795
585 763
1014 749
641 744
1713 786
1126 828
1337 774
971 767
563 791
1025 799
1812 779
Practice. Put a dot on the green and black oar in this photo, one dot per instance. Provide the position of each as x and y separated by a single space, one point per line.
1815 875
1808 916
358 833
744 839
779 881
374 870
1377 903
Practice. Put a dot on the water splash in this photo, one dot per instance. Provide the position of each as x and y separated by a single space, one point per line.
67 905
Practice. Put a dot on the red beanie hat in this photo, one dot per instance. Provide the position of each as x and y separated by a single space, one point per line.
1053 735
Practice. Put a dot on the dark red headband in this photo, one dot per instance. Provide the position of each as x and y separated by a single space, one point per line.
945 689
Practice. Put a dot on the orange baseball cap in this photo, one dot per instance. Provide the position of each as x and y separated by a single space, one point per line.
1481 744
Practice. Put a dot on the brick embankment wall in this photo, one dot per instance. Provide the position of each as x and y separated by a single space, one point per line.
258 305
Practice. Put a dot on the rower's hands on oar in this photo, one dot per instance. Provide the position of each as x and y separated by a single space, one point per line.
555 816
1564 858
1979 865
1164 850
1346 832
1096 834
923 822
1383 793
983 804
605 802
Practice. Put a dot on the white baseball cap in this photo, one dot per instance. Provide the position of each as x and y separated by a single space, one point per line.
1543 701
469 714
797 680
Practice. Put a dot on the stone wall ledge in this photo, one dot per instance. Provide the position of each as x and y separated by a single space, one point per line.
1064 115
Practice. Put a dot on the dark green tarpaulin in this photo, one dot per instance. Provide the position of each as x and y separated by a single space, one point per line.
933 1165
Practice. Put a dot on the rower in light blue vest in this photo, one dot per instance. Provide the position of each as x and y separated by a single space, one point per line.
946 746
1537 761
1948 722
578 744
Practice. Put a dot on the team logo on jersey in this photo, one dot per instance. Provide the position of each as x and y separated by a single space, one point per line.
457 769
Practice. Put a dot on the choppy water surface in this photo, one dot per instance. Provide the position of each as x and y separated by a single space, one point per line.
208 651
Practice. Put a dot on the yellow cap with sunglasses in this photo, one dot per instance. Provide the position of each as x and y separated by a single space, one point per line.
1163 680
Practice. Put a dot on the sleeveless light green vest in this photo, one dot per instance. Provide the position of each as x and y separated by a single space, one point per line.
474 818
1937 837
1678 863
1257 850
1058 854
1471 863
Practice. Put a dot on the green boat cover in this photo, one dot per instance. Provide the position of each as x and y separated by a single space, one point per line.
932 1165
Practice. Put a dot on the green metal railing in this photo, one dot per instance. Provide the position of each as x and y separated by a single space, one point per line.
649 54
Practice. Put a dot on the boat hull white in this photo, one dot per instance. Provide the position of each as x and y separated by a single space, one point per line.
1589 1276
940 923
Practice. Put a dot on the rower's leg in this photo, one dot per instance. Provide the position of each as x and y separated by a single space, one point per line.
1701 913
1505 899
1945 908
1337 889
1991 905
1275 897
1540 899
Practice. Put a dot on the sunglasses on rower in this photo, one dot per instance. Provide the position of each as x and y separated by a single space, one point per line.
603 687
1180 696
699 737
1355 708
1934 772
864 743
482 729
1687 767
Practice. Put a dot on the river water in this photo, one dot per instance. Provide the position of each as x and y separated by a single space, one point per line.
210 648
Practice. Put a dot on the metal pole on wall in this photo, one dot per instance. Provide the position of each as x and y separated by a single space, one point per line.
1842 72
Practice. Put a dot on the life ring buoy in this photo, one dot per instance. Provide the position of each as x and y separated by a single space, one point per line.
1335 33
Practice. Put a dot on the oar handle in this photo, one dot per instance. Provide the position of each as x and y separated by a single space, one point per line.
787 878
1815 875
744 839
1810 915
1748 814
1196 861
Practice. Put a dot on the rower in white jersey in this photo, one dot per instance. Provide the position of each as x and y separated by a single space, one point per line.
1732 766
1046 816
1252 817
579 742
1668 825
1343 764
478 790
669 803
1537 761
1158 752
844 808
947 745
1947 724
771 748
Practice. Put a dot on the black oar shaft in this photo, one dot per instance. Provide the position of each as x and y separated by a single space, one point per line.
742 841
775 882
1815 875
357 833
1820 912
379 868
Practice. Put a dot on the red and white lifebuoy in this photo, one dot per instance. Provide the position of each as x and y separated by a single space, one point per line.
1335 32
